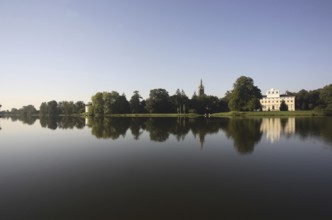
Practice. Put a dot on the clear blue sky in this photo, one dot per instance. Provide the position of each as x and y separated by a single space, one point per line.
71 49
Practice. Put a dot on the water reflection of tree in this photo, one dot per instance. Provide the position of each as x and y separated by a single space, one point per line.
315 127
137 126
26 119
200 127
71 122
159 128
245 134
62 122
180 129
109 127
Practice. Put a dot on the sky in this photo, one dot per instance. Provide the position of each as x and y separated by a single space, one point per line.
71 49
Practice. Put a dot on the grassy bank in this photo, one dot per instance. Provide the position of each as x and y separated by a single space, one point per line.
269 114
155 115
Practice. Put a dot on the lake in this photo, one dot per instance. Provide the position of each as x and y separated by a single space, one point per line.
166 168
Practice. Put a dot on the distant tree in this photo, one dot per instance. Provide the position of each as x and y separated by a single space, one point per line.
224 102
179 101
98 104
79 107
66 108
120 105
158 101
14 111
108 99
52 108
283 106
245 95
136 104
43 109
326 97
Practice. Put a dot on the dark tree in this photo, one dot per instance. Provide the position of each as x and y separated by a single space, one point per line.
179 101
326 97
43 109
136 104
52 108
283 106
98 104
120 105
158 101
245 95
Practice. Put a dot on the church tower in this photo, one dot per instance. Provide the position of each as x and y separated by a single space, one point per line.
201 89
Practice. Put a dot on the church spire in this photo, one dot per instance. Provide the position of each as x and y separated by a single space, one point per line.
201 89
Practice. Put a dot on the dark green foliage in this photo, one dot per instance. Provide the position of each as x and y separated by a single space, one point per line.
326 97
98 104
54 108
136 105
120 105
109 103
179 101
25 111
319 99
159 101
79 107
245 95
283 106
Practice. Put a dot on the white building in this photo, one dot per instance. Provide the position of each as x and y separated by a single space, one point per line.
272 100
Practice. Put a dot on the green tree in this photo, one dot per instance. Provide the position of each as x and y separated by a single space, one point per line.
158 101
326 97
52 108
179 101
98 104
283 106
108 99
66 108
79 107
245 95
120 104
136 104
43 109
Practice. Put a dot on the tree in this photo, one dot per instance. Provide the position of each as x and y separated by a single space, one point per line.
66 108
120 104
79 107
245 95
179 101
326 97
52 108
158 101
283 106
98 104
136 105
43 109
107 102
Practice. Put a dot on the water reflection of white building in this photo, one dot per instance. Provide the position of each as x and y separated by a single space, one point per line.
273 128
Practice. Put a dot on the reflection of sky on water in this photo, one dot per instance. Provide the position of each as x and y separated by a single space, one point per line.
273 128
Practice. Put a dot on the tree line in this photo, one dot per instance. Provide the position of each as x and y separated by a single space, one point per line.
318 99
244 96
54 108
51 108
159 101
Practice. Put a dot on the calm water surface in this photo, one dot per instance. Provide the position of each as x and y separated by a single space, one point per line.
120 168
